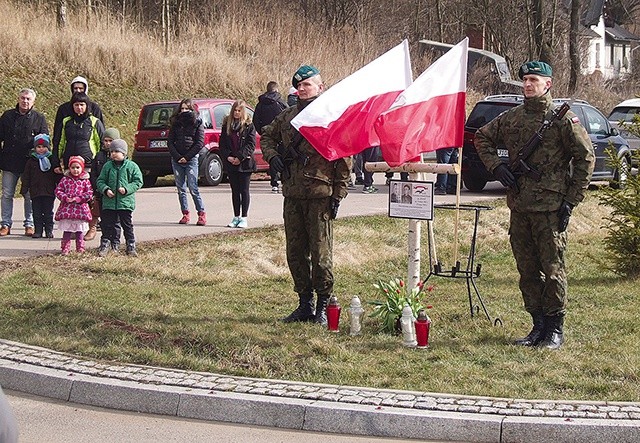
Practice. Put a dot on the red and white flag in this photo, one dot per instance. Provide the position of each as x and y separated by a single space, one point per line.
430 113
339 123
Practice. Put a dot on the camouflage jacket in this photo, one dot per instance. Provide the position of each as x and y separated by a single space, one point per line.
319 178
565 143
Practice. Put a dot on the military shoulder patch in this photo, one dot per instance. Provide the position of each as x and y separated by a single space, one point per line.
575 120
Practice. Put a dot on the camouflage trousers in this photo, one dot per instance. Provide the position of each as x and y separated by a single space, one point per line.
539 251
309 235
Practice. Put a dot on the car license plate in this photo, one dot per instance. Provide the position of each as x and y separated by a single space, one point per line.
156 144
503 153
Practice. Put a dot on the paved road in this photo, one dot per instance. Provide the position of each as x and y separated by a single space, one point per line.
53 421
157 213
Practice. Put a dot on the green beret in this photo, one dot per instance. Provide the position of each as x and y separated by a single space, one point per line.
304 72
535 67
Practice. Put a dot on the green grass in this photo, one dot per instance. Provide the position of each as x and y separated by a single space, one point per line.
213 303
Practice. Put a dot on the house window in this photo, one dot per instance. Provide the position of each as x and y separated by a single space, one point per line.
612 55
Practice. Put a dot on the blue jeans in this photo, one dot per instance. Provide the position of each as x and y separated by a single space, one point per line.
186 176
446 182
9 183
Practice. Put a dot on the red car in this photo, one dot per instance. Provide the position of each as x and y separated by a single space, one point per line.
151 152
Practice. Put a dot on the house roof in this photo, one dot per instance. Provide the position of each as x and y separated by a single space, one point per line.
591 14
620 34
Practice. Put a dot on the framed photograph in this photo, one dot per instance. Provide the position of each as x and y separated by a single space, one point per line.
412 199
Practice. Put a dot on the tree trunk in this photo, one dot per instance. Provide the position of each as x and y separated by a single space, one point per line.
61 18
574 52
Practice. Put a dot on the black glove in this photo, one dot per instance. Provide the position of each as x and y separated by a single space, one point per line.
504 175
335 204
564 213
277 164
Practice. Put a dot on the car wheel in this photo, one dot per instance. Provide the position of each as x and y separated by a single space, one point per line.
620 175
211 169
473 183
149 180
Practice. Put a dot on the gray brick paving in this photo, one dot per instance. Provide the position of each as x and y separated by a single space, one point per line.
17 352
158 390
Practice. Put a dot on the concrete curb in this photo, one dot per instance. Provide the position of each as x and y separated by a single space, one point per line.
312 407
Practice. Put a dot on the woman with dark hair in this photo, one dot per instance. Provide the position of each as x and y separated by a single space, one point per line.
237 145
186 139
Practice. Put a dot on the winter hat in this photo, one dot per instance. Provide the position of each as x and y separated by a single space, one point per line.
111 133
80 79
119 145
41 139
80 97
77 159
304 72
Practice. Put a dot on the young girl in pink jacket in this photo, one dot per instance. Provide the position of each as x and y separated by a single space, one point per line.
73 215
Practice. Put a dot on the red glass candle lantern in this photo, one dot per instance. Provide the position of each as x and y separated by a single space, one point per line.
423 323
333 314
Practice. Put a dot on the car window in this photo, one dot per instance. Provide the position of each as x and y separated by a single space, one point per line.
205 116
623 114
157 116
483 113
595 123
220 112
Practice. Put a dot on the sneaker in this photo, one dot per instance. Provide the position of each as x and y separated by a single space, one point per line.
359 181
103 250
242 223
275 189
131 250
350 185
234 222
440 191
369 190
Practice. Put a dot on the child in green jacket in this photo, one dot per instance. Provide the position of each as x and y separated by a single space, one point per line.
119 179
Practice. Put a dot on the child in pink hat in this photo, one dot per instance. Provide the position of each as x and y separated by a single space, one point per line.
73 215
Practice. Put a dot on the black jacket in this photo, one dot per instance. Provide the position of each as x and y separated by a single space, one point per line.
244 151
186 136
66 110
96 167
269 105
16 137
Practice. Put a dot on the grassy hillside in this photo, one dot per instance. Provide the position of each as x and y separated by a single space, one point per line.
232 57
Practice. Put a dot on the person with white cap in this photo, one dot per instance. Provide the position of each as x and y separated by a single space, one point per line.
78 84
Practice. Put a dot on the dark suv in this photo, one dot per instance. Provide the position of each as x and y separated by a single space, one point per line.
151 152
474 174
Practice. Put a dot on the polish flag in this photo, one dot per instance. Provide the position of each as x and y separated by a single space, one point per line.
430 113
339 123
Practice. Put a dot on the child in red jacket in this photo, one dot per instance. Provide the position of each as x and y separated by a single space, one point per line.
73 215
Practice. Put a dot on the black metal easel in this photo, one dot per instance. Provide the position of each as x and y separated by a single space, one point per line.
472 270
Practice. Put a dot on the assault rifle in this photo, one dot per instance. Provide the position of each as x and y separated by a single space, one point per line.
291 153
519 165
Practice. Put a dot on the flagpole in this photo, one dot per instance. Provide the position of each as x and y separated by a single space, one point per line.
455 229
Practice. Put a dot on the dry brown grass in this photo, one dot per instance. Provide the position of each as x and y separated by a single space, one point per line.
234 56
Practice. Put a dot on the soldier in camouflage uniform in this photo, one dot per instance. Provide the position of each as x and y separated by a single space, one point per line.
540 210
312 188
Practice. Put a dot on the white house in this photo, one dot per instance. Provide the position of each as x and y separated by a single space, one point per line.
607 45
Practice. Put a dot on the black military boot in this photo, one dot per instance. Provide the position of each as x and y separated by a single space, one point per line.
537 333
553 337
304 311
321 310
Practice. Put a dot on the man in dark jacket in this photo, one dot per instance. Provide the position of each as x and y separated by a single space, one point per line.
270 104
18 126
78 84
